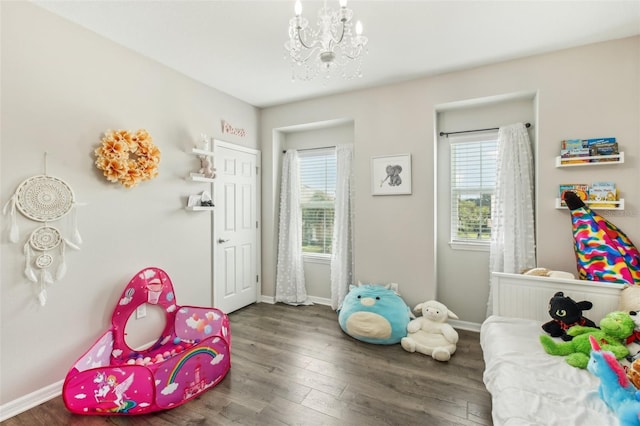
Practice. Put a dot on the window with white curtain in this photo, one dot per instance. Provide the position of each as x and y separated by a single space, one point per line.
317 199
473 183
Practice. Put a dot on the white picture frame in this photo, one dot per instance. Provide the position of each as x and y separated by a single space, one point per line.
194 200
391 175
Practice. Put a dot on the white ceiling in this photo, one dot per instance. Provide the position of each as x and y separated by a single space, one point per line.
237 46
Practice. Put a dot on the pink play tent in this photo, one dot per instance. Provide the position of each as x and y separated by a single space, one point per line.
191 356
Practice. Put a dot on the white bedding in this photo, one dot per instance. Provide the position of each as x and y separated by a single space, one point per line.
529 386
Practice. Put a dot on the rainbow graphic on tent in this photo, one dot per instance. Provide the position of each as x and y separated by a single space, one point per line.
186 357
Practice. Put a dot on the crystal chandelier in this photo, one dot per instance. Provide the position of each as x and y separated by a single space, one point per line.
332 48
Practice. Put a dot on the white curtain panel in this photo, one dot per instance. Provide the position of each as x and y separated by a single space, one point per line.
512 214
342 246
290 285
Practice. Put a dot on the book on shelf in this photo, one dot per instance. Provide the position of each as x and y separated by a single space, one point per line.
594 147
603 146
601 192
599 141
581 189
573 156
573 144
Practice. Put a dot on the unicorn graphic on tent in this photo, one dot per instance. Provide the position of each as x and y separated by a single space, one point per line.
111 392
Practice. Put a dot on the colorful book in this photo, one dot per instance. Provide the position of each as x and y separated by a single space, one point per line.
573 144
607 148
599 141
600 192
581 189
573 156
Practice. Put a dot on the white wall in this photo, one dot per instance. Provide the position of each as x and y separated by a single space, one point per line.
62 87
591 91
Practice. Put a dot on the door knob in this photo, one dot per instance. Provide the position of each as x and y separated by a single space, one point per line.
220 241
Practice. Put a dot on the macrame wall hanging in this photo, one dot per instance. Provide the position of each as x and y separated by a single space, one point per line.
44 199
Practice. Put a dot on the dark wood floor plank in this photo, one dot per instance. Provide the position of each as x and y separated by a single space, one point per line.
295 366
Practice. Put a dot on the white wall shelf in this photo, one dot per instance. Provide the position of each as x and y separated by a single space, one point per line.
194 177
202 152
199 208
610 159
198 177
619 204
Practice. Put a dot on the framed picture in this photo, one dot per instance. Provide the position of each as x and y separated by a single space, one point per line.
391 175
194 200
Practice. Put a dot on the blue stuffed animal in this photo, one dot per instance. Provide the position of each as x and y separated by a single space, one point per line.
374 314
615 388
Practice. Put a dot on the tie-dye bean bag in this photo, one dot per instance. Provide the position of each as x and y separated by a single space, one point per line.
603 252
191 356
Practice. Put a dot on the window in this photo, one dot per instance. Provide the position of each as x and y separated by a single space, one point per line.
473 182
317 199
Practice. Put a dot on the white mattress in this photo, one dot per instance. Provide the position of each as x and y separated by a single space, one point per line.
529 386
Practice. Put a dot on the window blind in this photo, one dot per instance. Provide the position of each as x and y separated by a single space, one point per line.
317 198
473 182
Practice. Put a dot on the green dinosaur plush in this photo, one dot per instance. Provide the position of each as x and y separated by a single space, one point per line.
615 327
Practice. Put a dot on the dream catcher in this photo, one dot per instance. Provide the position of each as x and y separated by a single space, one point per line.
45 199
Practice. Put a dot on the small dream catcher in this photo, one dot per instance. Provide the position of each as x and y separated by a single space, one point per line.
44 198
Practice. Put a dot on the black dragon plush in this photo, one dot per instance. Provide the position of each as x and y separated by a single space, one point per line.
566 313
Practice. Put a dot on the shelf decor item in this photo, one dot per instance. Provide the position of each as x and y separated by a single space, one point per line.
201 201
127 157
44 198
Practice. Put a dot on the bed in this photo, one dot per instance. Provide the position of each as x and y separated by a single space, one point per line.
528 386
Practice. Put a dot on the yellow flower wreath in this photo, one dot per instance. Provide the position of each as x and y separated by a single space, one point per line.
128 158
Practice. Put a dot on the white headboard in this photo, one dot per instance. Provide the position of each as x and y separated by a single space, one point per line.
526 296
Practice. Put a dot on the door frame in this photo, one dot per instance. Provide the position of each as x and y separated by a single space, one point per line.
217 143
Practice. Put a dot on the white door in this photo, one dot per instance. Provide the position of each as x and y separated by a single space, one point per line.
236 249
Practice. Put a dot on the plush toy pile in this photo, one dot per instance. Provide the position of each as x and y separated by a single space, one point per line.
614 329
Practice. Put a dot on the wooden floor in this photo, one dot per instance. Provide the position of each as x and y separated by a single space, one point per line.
295 366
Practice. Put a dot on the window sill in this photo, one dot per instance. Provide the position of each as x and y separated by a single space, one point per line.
457 245
317 258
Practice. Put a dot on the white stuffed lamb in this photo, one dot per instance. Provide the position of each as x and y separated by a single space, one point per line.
430 334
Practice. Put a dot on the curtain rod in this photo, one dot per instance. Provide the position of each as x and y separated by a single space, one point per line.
311 149
527 125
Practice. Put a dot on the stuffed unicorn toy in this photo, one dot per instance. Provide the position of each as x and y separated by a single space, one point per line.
615 388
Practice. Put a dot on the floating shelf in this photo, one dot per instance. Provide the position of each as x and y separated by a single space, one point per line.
619 204
615 159
199 208
202 152
197 178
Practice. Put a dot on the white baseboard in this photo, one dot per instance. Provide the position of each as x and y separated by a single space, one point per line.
320 300
268 299
465 325
317 300
26 402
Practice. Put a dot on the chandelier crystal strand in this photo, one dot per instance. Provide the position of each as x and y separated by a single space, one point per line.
331 48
